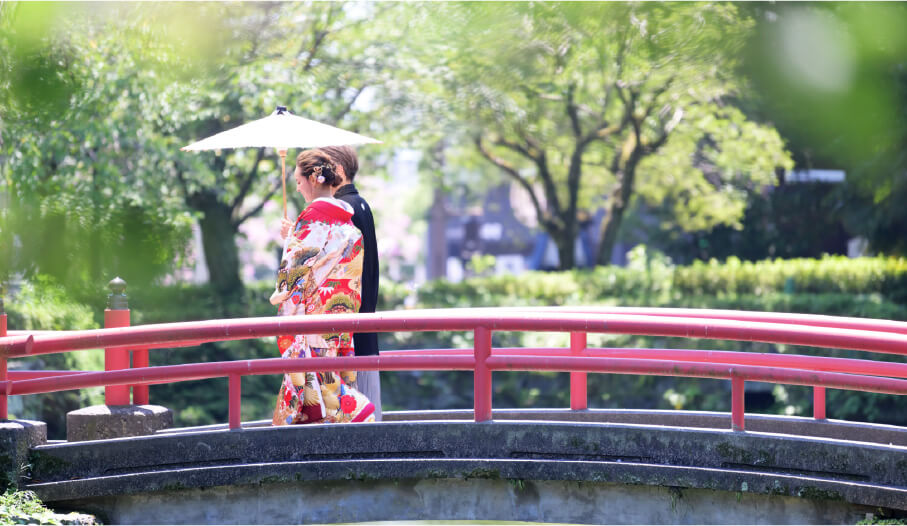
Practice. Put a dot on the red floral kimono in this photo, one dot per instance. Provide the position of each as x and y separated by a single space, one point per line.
320 273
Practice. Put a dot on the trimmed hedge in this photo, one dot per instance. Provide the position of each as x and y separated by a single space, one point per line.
885 276
654 281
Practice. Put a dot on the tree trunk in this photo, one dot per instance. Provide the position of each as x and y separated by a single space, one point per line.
609 230
219 242
565 249
437 243
620 199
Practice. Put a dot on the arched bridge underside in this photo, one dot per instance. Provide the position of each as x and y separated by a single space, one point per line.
603 467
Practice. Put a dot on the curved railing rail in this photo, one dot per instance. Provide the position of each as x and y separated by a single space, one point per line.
820 372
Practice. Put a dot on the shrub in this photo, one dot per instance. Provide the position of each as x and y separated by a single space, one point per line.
880 275
23 507
43 305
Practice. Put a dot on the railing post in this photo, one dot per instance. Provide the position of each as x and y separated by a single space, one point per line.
482 379
737 403
4 375
235 401
116 315
578 397
140 394
818 402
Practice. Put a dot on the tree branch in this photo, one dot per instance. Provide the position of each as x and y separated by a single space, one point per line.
182 181
657 93
258 207
572 111
510 170
604 130
541 162
665 132
249 179
349 105
619 71
318 36
519 148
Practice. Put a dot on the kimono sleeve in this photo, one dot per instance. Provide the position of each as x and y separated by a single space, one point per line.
295 275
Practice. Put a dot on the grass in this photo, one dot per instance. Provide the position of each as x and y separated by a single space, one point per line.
23 507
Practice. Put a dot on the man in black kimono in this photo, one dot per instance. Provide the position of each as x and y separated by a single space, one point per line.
366 344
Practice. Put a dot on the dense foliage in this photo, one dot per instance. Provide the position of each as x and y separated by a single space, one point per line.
832 77
92 170
588 105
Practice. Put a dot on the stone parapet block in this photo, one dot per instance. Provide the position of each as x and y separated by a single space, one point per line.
100 422
17 437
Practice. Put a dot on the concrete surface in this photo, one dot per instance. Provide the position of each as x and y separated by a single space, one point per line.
100 422
17 437
788 425
465 499
859 461
119 474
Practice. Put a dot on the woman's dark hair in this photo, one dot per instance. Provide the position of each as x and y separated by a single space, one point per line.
316 162
346 157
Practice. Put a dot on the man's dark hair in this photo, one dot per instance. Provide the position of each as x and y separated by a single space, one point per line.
346 157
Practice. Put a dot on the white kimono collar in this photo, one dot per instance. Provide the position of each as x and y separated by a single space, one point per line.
336 202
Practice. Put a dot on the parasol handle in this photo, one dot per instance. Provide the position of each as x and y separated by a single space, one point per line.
283 178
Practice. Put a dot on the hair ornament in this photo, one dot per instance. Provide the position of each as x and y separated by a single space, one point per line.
316 171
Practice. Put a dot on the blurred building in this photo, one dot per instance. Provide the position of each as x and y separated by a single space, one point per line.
504 226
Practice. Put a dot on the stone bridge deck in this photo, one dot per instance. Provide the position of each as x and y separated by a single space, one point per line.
612 467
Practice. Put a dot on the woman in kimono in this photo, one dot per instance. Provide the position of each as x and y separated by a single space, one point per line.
320 273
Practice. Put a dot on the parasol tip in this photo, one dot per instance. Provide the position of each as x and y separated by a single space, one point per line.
281 110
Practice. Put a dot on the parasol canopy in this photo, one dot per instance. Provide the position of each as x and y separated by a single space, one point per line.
281 130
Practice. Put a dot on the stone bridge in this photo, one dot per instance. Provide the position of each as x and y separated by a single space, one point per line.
593 466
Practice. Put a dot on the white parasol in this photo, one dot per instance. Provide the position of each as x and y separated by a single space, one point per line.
281 130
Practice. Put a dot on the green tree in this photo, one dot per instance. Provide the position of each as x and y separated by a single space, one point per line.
585 105
82 159
140 82
834 78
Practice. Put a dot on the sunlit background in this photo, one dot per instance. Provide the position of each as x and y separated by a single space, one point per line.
533 153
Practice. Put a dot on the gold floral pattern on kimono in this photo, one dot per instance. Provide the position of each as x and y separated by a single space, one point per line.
320 273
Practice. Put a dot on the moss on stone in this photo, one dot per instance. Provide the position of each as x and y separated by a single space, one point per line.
902 465
173 486
46 466
812 492
273 479
482 473
766 458
518 484
631 479
734 453
361 476
778 489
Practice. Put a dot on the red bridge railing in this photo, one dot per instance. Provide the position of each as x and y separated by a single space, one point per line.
820 372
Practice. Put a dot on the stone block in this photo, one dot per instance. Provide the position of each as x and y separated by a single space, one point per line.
17 437
100 422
